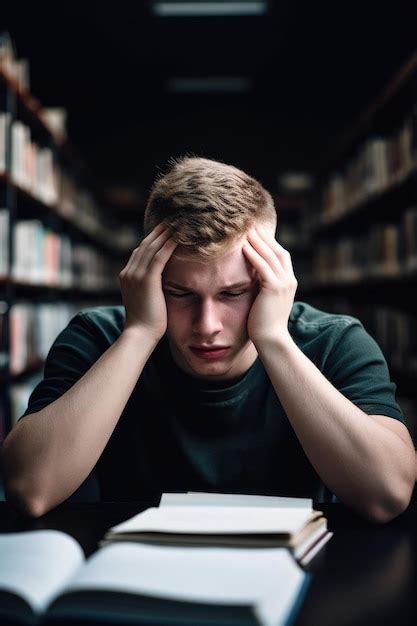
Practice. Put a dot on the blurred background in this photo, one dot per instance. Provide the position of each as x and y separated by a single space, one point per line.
316 100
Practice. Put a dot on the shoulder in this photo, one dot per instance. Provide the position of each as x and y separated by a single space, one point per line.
306 319
103 315
320 334
332 340
102 318
98 327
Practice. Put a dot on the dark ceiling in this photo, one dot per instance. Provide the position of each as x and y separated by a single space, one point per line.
314 67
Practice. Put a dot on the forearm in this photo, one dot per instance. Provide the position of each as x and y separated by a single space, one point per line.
367 465
47 455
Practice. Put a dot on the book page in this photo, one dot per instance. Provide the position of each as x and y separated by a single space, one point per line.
269 580
36 564
197 498
216 520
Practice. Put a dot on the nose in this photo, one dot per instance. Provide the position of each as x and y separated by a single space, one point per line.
207 318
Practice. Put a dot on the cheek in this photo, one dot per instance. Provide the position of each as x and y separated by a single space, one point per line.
178 319
237 313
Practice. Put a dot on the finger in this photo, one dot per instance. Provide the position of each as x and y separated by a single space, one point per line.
156 231
264 250
265 272
136 254
162 257
282 254
143 255
150 249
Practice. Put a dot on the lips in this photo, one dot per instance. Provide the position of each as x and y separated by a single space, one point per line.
211 352
208 348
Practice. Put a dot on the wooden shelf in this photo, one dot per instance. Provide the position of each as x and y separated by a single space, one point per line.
22 288
367 208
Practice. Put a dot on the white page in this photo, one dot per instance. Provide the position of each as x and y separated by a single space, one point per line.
215 520
267 579
198 498
36 564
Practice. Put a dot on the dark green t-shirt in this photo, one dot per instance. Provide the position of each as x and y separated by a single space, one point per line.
179 433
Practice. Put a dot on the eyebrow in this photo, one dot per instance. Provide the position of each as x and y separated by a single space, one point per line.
245 283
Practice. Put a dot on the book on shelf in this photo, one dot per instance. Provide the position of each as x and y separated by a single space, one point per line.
4 129
33 329
44 578
232 521
4 242
409 229
384 250
32 166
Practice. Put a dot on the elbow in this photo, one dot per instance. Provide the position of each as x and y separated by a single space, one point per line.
25 502
22 489
391 505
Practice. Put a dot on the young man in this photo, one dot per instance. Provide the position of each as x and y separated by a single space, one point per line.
211 377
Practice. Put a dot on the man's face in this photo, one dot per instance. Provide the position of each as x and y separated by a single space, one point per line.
208 306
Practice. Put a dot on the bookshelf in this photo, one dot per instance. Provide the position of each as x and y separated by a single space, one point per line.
59 252
364 228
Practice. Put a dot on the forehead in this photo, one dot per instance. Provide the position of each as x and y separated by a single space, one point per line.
215 273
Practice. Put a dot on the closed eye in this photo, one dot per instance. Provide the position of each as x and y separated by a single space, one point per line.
178 295
227 294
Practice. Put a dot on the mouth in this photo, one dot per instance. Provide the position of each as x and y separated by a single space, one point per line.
214 352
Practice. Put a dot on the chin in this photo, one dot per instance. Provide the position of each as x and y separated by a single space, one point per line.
211 369
208 370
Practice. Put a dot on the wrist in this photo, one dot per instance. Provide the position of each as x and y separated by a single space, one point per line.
280 342
140 335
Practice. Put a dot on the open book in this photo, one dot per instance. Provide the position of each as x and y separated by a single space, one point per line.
227 520
44 577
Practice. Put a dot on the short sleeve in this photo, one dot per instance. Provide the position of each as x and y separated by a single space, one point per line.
358 369
73 352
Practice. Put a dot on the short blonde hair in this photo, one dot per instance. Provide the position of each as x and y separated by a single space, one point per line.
207 204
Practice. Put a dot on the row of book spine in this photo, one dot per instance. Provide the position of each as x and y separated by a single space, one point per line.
386 249
32 167
44 257
35 170
32 331
379 163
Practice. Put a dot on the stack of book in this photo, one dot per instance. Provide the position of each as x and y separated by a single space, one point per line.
229 520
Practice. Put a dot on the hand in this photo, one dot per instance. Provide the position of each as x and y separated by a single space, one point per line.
141 283
268 317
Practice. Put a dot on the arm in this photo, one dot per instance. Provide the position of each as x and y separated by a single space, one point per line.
368 461
48 454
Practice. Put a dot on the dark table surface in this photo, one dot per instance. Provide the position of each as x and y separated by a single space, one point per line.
366 575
